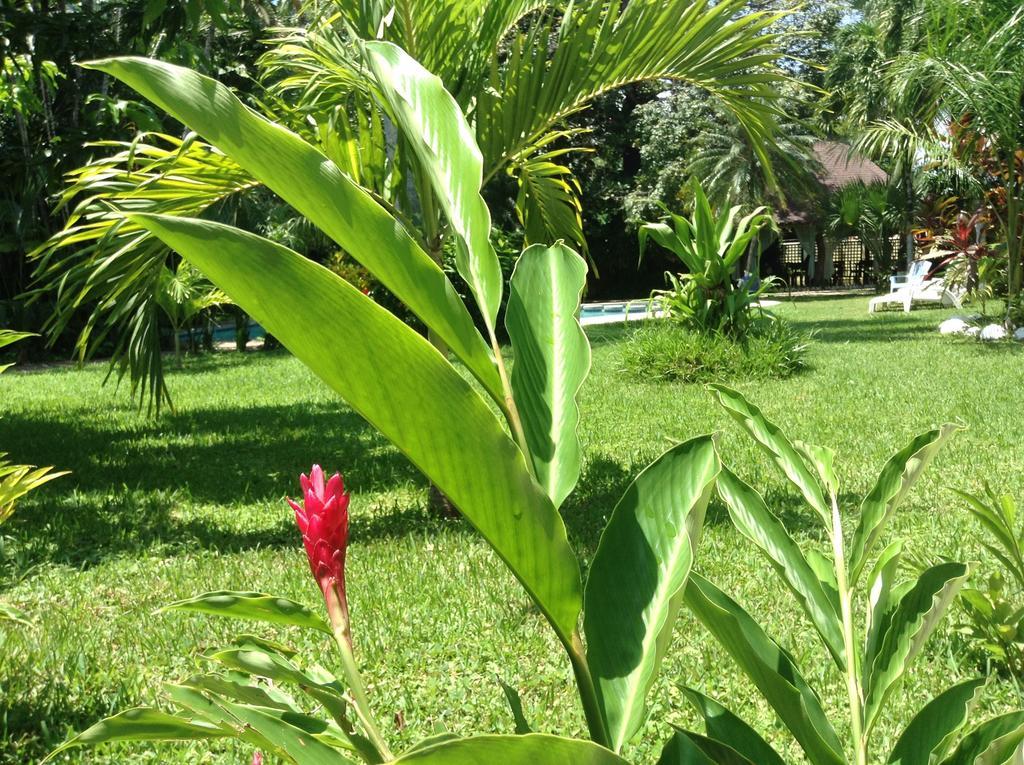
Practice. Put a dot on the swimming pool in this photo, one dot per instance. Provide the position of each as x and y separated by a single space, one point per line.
616 312
226 332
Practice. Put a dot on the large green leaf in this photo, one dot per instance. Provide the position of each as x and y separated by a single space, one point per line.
551 361
723 725
446 149
894 483
681 749
634 590
775 442
883 596
993 742
264 660
284 733
243 689
256 606
928 736
915 617
255 661
669 238
531 749
305 178
143 724
822 459
689 748
756 522
395 379
769 667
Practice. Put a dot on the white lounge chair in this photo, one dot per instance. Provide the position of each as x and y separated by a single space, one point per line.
934 293
913 278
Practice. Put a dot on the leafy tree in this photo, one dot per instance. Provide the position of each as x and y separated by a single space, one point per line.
520 69
682 135
969 71
861 90
874 214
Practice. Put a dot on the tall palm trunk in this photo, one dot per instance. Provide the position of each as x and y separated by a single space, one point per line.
1013 236
909 200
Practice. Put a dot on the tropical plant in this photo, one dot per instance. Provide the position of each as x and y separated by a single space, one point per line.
862 93
185 294
505 451
518 69
708 297
968 70
17 480
871 212
105 259
729 170
996 612
873 653
969 262
51 110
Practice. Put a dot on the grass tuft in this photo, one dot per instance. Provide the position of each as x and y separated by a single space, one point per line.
662 350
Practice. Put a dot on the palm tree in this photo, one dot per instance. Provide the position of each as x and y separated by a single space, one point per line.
970 69
185 294
862 92
727 164
518 68
872 213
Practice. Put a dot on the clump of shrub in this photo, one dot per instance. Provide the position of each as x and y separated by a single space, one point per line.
664 350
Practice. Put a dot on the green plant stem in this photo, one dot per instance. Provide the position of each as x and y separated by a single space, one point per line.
588 692
849 643
510 409
338 611
508 404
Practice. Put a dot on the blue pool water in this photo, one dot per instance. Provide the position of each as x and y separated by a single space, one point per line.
226 332
613 313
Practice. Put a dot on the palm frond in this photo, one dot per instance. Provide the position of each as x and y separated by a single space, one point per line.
18 480
184 293
604 45
548 203
109 267
455 39
519 68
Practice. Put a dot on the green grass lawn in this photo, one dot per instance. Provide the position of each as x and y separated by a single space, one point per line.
161 509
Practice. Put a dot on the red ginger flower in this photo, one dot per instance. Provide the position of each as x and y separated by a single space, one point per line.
323 521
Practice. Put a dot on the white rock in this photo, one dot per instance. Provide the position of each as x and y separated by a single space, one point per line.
972 331
1018 334
954 326
993 332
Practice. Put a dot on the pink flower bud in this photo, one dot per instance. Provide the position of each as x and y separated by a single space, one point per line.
323 521
257 757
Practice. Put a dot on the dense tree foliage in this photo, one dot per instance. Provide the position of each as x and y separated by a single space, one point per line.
585 155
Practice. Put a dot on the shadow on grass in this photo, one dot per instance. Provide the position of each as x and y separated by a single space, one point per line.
604 482
160 484
90 529
215 455
873 330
